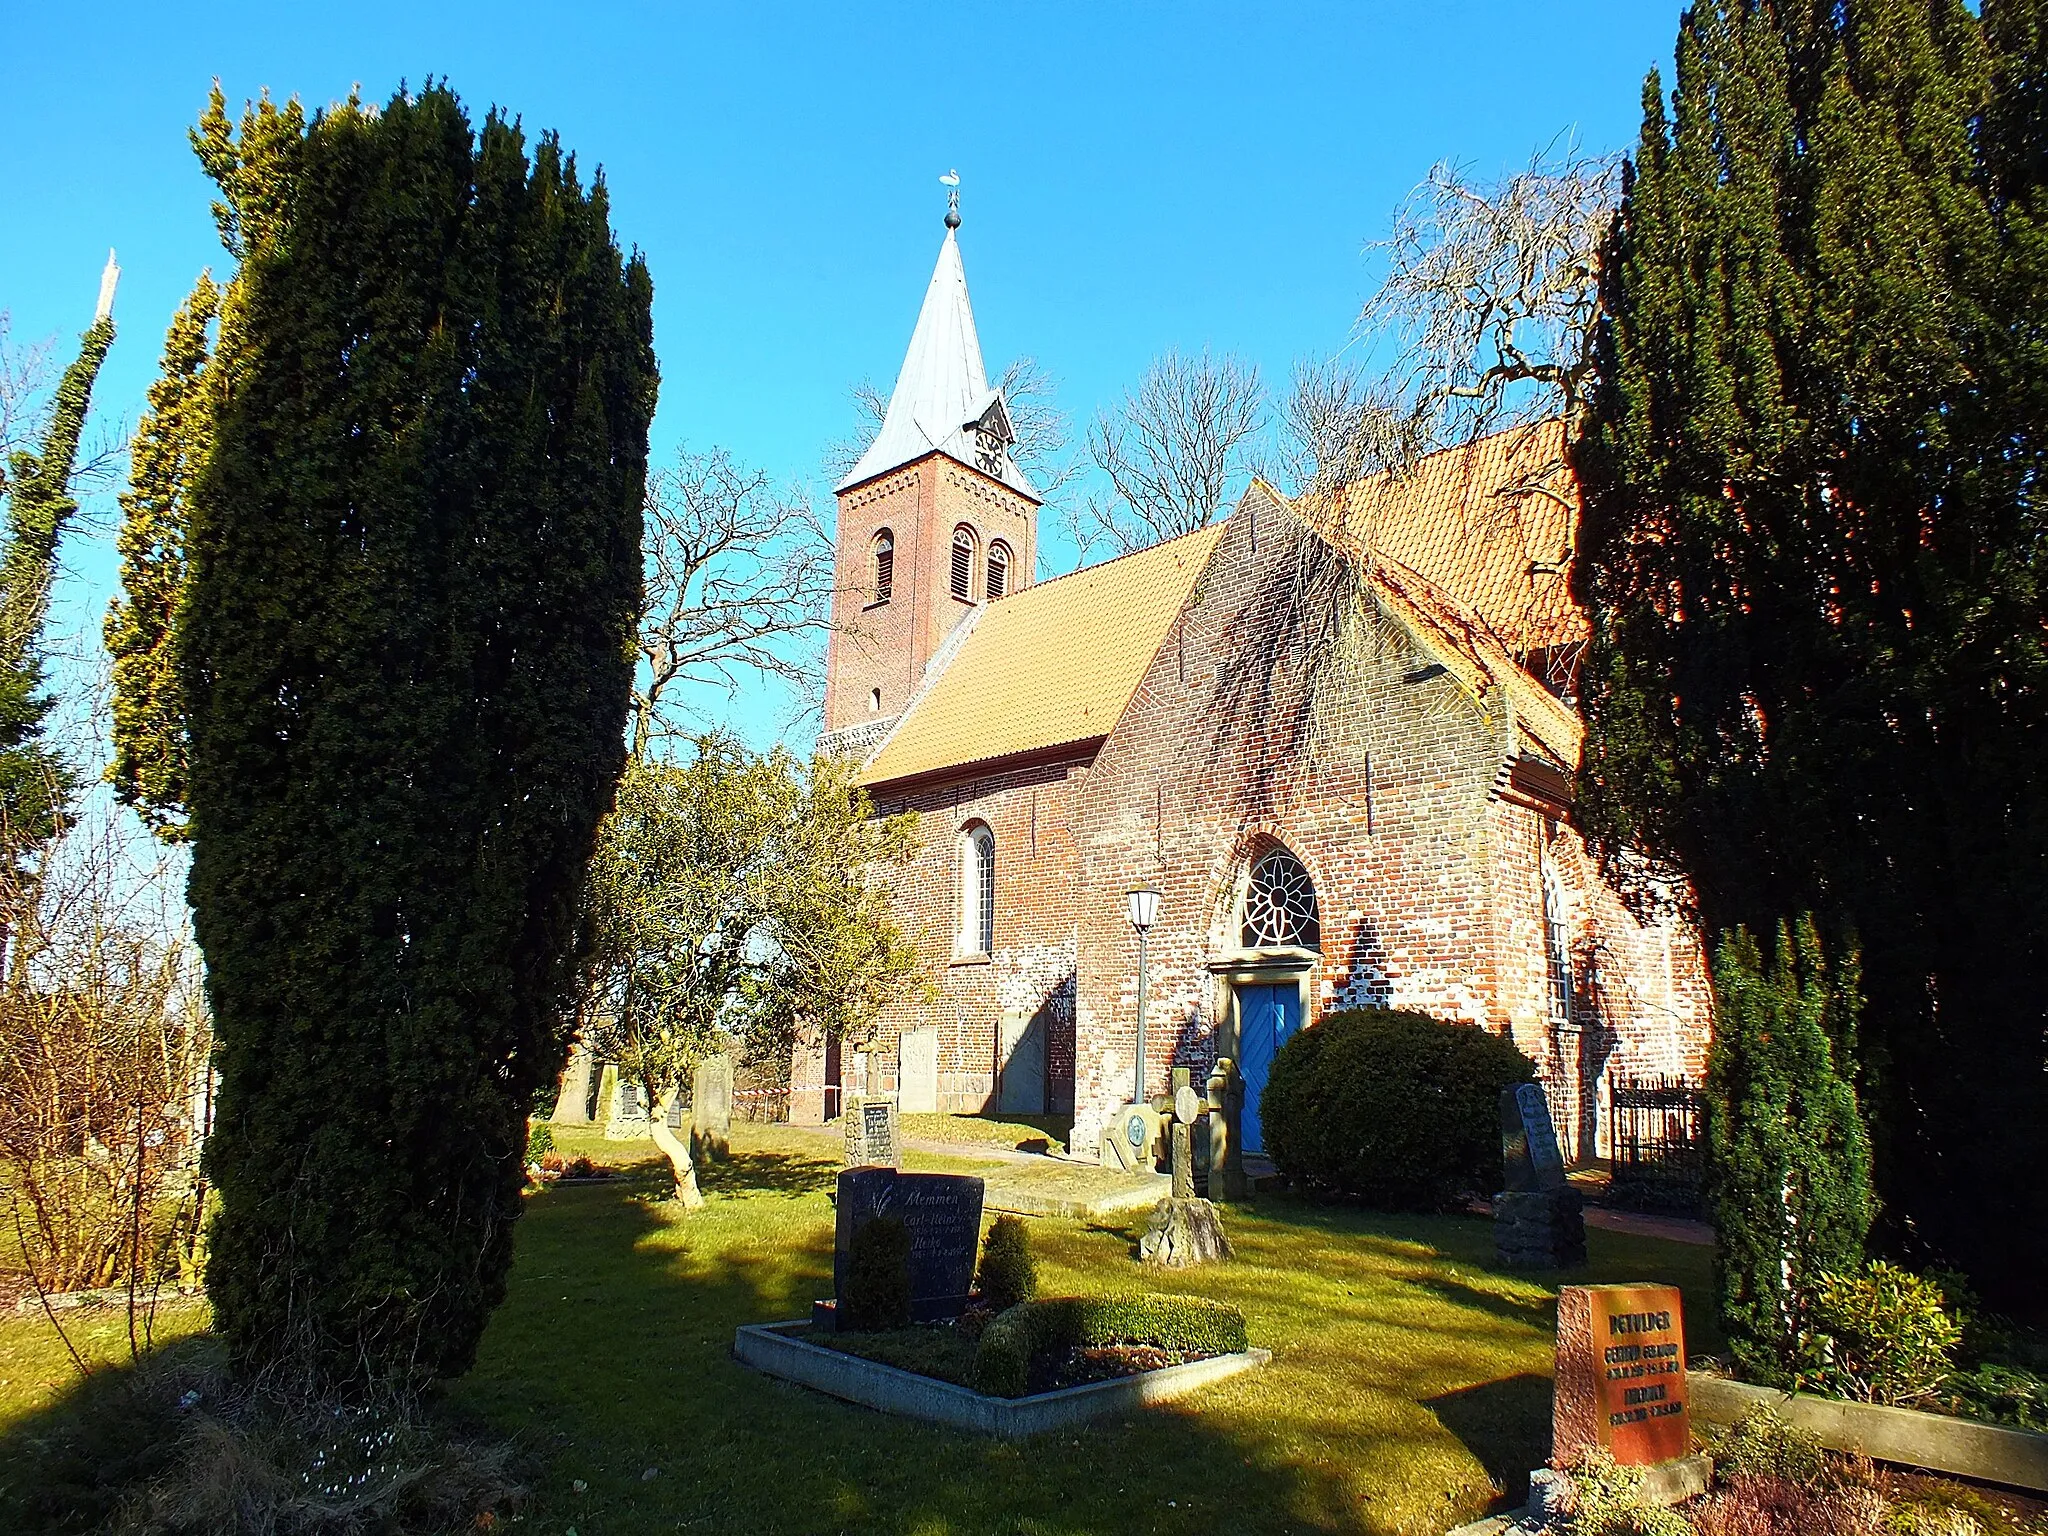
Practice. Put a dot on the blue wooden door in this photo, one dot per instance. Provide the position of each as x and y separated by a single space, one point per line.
1266 1017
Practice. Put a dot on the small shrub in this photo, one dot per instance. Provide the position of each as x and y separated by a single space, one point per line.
1760 1444
877 1292
1009 1274
540 1142
581 1168
1397 1109
1608 1500
1182 1325
1884 1336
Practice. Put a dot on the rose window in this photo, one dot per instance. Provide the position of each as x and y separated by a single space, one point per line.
1280 905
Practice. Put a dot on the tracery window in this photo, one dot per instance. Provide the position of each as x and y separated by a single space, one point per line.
963 563
1280 904
977 890
998 569
1557 980
885 565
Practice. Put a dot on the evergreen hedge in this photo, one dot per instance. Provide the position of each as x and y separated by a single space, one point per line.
1184 1325
414 567
1396 1109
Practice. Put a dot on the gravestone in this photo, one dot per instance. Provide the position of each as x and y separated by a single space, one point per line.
941 1212
1130 1142
711 1109
1620 1375
1539 1221
870 1131
918 1071
1528 1140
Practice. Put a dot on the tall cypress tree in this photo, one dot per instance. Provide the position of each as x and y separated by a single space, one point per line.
1813 557
35 783
1789 1175
404 653
148 768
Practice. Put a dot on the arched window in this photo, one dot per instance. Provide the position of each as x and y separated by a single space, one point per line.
998 569
1280 904
1557 957
977 890
963 563
885 565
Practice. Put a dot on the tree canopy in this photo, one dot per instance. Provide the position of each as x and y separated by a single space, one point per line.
1813 553
735 899
404 657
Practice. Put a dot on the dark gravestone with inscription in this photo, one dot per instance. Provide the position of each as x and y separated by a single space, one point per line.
869 1126
1538 1219
942 1213
1528 1140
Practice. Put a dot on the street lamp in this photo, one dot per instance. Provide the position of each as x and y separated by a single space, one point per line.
1144 907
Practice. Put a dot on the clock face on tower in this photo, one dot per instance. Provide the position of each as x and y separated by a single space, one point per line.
988 452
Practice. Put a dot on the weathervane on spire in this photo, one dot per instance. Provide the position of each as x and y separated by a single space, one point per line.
951 182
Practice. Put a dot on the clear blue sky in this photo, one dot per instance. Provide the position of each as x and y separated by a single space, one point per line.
1136 176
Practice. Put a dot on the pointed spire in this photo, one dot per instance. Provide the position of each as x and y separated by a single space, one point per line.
942 399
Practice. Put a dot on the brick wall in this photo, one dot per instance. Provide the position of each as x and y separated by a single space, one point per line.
1269 716
1029 971
885 646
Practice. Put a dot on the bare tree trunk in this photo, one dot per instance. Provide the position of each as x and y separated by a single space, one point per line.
677 1151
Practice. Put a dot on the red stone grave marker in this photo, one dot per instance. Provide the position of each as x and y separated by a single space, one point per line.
1620 1374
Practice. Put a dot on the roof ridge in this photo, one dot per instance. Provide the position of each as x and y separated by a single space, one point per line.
1129 554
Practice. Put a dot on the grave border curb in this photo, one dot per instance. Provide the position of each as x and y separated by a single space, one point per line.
768 1348
1940 1442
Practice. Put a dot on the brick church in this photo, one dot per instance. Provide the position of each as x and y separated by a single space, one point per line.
1333 733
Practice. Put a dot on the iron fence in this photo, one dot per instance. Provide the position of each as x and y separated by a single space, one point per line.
1658 1126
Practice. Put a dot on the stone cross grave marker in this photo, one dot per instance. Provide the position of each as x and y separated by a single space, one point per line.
1529 1150
870 1130
1620 1374
942 1213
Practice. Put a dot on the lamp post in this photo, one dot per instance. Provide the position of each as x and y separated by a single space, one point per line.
1144 907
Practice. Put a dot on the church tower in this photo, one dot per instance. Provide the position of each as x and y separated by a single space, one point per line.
934 520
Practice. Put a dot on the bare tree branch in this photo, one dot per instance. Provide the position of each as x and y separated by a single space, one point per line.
1490 300
739 587
1170 451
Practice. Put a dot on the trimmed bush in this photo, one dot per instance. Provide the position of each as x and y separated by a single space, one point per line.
1185 1325
877 1294
1397 1109
1009 1274
540 1142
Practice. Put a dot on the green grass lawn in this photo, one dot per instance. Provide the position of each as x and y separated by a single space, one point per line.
1408 1389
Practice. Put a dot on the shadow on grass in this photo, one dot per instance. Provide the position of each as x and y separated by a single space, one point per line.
637 1376
761 1172
609 1369
1490 1421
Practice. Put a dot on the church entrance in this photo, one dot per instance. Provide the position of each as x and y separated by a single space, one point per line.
1267 1016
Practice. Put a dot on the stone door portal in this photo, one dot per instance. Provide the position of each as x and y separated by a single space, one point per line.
1266 1017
